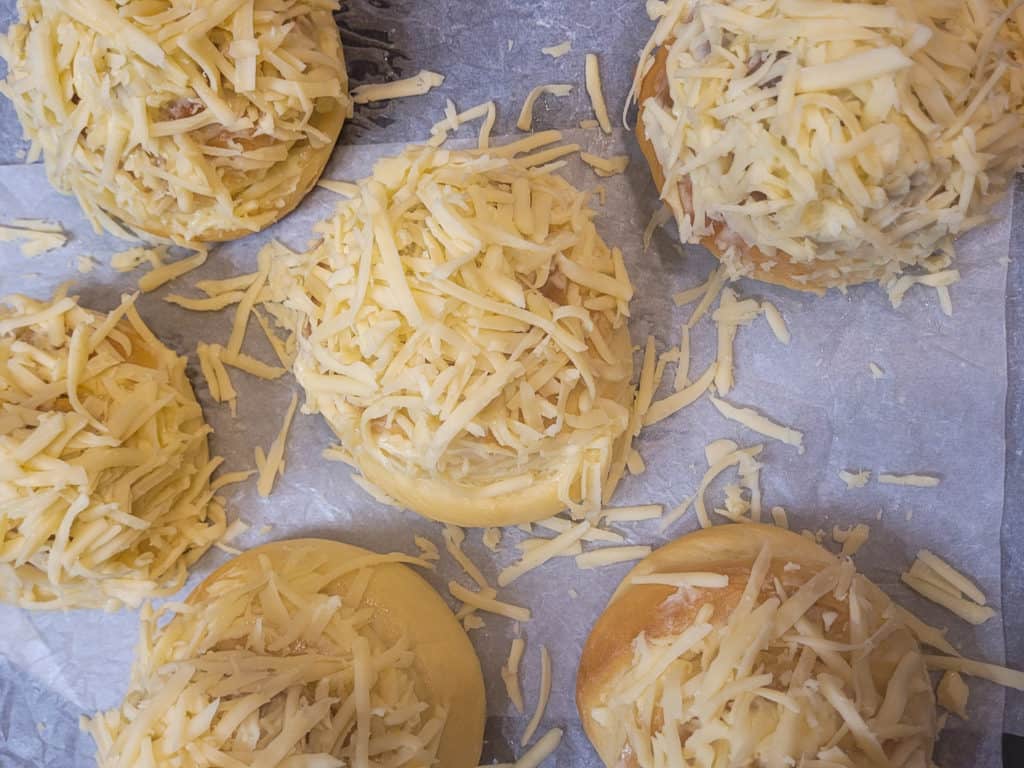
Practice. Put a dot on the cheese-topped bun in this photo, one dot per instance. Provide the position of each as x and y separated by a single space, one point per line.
306 653
464 333
105 494
747 645
818 143
192 120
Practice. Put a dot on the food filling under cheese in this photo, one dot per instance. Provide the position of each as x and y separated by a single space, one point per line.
187 119
463 321
275 667
852 140
780 667
104 468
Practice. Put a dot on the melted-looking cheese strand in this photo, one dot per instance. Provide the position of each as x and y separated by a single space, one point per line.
851 139
273 668
459 322
805 663
104 496
189 118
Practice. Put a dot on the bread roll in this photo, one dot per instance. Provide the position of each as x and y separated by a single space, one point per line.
820 145
308 649
106 490
463 329
188 120
758 648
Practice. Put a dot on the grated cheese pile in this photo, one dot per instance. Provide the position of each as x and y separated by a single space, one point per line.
463 323
846 141
780 667
188 119
276 665
105 496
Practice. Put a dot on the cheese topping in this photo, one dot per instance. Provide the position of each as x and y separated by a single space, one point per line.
462 321
188 120
275 666
847 141
755 678
105 496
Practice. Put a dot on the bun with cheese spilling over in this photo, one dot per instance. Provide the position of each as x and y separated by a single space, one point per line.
105 497
301 653
818 144
189 120
747 645
463 330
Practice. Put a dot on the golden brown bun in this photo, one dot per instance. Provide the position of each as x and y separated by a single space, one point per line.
464 505
311 160
784 272
642 608
405 604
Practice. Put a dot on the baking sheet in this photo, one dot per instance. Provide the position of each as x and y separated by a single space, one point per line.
939 408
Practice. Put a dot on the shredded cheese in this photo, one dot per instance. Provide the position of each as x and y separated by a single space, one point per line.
952 694
105 494
751 419
488 604
543 695
610 556
855 479
419 84
510 673
273 464
852 538
525 121
281 663
847 141
605 166
592 76
444 333
915 481
36 237
187 128
557 51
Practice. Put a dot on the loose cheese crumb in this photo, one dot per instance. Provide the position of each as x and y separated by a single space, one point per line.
37 237
592 74
952 694
605 166
419 84
273 465
780 518
916 481
543 695
541 751
488 604
510 673
557 51
876 372
855 479
86 264
525 121
751 419
610 556
852 538
492 538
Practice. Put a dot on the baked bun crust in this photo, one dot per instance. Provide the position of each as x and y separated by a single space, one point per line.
660 613
303 648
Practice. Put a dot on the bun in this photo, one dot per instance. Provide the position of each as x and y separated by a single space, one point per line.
463 329
813 164
661 660
195 132
307 628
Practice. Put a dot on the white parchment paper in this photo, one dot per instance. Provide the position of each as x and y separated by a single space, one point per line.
938 409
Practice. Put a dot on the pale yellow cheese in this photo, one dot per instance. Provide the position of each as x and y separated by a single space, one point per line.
543 695
419 84
106 487
525 121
